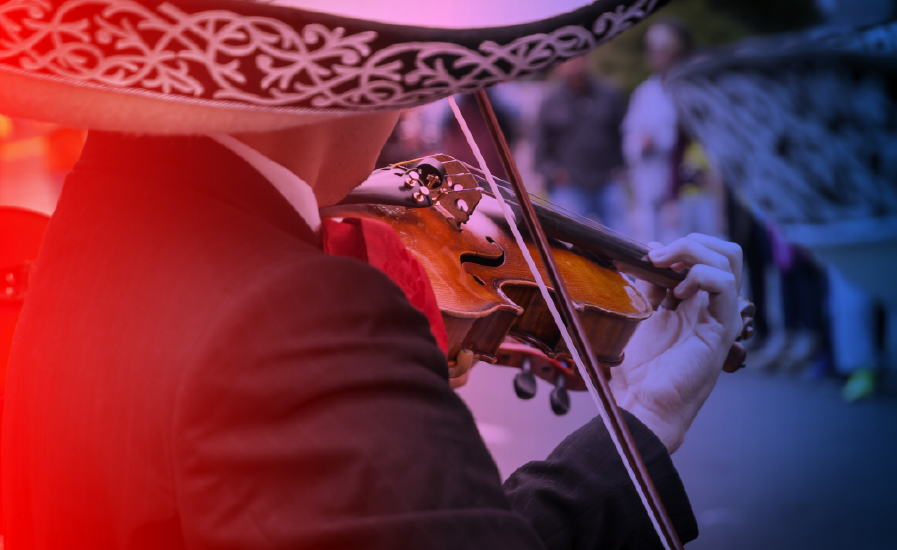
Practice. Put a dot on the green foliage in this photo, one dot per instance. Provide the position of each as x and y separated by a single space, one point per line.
712 23
771 16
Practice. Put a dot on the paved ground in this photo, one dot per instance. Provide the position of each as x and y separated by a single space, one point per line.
772 462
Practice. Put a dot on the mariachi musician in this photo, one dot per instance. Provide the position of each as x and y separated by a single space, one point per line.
192 370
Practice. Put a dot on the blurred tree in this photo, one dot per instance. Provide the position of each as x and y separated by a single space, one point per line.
712 23
771 16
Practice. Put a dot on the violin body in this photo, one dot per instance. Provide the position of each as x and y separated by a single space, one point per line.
483 286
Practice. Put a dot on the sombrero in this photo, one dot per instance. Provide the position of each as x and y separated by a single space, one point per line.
201 66
804 128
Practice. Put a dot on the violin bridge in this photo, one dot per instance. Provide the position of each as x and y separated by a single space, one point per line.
459 205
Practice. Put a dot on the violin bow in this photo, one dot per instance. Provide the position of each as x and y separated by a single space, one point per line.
568 322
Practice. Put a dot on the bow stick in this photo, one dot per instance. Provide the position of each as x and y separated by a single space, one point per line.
568 323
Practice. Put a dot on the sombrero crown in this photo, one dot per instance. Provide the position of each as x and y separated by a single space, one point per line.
235 65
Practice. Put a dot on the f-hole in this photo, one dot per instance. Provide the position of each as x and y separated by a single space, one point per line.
480 259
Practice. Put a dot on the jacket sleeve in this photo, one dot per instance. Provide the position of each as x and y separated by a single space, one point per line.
581 497
320 416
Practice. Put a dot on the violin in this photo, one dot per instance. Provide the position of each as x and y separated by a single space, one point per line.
451 223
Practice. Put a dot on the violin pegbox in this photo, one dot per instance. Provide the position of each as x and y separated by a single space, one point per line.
447 183
425 178
439 182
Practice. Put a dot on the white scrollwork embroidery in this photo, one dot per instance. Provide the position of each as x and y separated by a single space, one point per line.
259 61
163 51
613 23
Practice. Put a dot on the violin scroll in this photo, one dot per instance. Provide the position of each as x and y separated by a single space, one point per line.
735 361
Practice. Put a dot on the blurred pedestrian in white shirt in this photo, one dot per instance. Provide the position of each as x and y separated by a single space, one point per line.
651 139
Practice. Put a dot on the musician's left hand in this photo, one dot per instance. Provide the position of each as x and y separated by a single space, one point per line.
675 357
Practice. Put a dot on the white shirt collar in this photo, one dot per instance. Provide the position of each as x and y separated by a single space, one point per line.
298 193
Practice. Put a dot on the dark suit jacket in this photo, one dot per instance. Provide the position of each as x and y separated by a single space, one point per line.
191 371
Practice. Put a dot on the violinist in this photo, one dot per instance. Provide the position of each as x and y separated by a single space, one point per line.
192 370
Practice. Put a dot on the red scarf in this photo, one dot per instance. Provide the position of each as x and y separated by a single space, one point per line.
376 243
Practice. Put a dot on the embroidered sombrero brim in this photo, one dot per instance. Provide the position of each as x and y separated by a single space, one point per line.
198 66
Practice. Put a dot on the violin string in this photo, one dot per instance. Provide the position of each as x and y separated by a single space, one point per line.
557 209
552 308
581 219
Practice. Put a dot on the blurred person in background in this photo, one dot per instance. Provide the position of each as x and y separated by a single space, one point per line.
701 195
578 147
407 140
749 233
800 338
802 296
652 141
857 336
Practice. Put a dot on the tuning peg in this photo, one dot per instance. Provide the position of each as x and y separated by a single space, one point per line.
560 397
736 358
525 381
